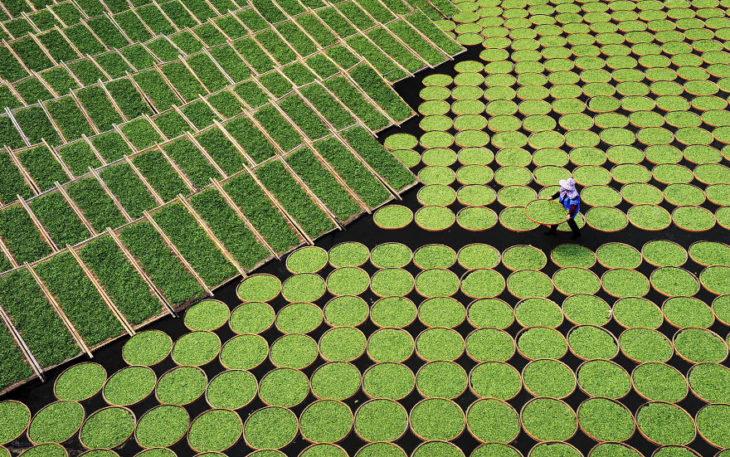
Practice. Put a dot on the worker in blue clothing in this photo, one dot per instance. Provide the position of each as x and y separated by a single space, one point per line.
570 199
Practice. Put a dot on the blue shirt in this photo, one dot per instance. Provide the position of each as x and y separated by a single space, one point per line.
568 202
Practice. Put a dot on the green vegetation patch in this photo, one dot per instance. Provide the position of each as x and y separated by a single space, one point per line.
674 281
45 450
659 382
231 389
348 254
56 422
196 348
645 345
710 382
107 428
477 255
259 288
244 352
602 378
492 313
393 217
606 420
342 344
208 315
522 257
693 218
162 426
436 194
284 387
664 253
547 419
215 430
572 255
346 311
129 386
293 351
380 450
622 282
390 345
326 421
299 318
490 345
649 217
435 218
572 280
538 312
495 380
548 378
542 343
618 255
437 282
381 420
614 450
252 317
181 386
637 312
606 219
699 345
147 348
589 342
665 424
710 253
80 382
391 282
437 419
482 283
582 309
391 255
546 212
554 450
396 312
305 287
348 281
441 379
14 419
439 448
439 344
388 380
434 256
716 279
685 312
713 423
441 312
335 381
309 259
529 283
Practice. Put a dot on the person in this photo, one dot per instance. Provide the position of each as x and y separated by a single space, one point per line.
570 199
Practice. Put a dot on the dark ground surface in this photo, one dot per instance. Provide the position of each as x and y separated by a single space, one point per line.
363 230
